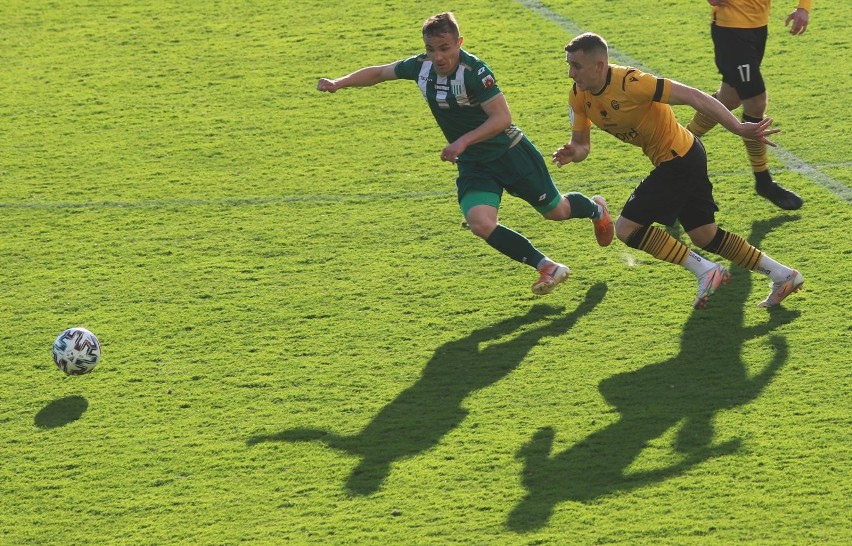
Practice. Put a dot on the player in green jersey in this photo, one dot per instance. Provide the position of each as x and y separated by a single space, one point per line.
490 152
635 108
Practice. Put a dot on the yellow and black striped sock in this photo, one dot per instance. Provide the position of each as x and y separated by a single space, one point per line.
735 248
701 124
658 244
756 150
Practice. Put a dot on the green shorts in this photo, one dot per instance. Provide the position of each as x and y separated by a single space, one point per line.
521 171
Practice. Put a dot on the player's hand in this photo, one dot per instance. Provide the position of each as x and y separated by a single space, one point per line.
452 151
324 84
800 21
568 153
759 131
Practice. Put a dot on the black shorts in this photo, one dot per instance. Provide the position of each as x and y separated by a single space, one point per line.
739 52
678 189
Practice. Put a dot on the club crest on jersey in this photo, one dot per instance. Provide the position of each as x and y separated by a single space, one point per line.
456 87
488 81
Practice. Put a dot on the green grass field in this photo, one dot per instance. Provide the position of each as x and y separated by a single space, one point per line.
302 345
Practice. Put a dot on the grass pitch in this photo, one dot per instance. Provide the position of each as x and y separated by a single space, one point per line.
302 345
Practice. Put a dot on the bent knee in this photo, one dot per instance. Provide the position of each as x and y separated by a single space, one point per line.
755 107
562 211
483 228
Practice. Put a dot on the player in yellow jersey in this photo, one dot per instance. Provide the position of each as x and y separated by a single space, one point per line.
635 108
739 31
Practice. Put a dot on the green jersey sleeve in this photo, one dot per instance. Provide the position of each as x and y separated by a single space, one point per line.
409 69
480 81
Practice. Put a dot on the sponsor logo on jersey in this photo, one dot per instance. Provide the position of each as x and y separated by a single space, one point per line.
615 105
625 136
542 197
481 70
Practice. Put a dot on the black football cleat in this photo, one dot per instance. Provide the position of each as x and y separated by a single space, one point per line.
780 196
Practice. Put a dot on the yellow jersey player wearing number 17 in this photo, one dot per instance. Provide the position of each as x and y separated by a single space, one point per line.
491 153
739 31
635 108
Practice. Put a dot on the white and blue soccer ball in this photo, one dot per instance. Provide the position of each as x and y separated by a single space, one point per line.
76 351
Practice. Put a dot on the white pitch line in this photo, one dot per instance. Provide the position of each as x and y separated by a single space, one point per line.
629 179
790 160
229 202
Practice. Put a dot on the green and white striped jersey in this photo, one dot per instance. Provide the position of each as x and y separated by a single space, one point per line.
456 101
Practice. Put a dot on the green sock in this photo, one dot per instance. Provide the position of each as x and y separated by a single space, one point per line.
582 206
514 245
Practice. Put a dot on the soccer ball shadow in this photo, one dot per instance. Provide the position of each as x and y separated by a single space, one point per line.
62 411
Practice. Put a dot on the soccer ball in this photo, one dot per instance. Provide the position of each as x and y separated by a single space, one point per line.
76 351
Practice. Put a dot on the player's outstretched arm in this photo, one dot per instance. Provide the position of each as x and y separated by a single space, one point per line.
712 108
365 77
574 151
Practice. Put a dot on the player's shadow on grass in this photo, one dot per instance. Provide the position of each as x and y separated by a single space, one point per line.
421 415
62 411
705 377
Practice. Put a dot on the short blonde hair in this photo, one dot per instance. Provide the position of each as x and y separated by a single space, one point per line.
588 42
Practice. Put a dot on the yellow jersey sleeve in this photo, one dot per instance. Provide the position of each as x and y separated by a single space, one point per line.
577 111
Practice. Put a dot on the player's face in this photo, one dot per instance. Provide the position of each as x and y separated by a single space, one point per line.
443 51
586 71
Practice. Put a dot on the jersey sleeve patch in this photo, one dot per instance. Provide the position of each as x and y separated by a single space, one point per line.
482 83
